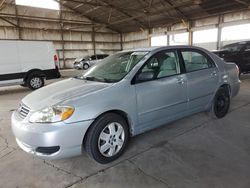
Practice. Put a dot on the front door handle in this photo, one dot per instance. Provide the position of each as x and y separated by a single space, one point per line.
214 73
180 81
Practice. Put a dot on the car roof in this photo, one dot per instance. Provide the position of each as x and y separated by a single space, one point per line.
235 43
157 48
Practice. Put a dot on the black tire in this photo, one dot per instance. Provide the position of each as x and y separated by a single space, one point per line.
221 103
92 139
85 66
30 82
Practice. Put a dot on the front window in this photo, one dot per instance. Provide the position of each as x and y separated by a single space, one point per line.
163 64
115 67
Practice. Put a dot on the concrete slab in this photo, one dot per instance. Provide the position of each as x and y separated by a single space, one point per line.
22 170
123 175
201 158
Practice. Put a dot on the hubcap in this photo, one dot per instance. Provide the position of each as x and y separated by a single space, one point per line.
36 82
111 139
85 66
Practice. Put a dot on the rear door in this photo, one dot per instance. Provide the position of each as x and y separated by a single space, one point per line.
202 78
164 98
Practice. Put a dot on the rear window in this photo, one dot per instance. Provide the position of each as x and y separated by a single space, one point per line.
195 61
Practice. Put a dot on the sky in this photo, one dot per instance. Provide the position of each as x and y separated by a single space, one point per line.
229 33
49 4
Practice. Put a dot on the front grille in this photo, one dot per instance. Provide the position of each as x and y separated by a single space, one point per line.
23 111
48 150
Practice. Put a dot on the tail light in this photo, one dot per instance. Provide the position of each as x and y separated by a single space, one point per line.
56 61
55 58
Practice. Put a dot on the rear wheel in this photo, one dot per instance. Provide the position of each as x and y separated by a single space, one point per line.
107 138
221 102
35 82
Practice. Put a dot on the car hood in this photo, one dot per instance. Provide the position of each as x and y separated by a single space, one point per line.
60 92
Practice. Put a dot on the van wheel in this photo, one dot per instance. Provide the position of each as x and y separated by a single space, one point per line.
221 103
85 66
107 138
35 82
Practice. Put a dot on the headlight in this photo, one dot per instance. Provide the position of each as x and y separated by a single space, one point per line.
52 114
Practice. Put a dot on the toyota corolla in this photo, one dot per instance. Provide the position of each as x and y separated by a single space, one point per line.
127 94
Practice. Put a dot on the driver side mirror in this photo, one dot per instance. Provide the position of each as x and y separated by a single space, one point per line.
145 76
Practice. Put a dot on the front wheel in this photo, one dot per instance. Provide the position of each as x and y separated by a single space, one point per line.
107 138
221 102
85 66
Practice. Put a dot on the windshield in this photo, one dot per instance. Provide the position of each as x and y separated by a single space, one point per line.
114 68
233 47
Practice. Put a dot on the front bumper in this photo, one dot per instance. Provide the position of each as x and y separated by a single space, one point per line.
31 136
78 65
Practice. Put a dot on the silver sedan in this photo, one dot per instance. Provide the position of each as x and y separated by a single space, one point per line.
127 94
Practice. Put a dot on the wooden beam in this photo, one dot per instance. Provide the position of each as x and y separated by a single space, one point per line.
5 15
93 40
121 41
242 2
6 20
158 12
220 21
124 13
82 2
182 15
1 4
62 36
79 13
90 10
18 23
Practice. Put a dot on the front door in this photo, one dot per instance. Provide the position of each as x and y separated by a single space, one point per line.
164 97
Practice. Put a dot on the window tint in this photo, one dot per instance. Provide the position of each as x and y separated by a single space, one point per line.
114 67
247 48
93 57
99 56
195 61
163 64
233 47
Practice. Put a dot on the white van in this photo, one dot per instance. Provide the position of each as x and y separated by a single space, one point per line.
27 63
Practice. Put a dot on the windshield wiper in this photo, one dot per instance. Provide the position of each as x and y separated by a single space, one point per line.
90 78
109 80
99 79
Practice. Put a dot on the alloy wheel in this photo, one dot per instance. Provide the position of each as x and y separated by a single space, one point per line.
111 139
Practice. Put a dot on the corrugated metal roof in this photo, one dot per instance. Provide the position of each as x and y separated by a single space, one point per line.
134 15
